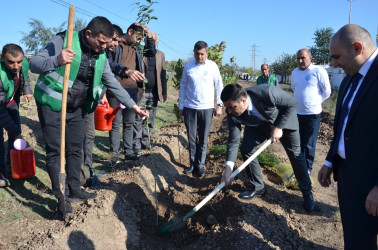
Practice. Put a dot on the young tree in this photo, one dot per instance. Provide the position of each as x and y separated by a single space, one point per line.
320 51
284 66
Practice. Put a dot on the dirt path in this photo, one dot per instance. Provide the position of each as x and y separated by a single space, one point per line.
128 213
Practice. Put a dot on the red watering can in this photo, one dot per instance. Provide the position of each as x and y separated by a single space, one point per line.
104 115
22 160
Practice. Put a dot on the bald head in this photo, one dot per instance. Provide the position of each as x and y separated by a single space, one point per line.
350 47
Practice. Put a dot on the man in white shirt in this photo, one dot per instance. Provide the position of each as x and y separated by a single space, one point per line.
196 103
352 156
311 87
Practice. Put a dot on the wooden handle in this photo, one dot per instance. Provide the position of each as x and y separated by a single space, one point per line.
71 18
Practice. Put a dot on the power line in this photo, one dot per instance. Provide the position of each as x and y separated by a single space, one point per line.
109 11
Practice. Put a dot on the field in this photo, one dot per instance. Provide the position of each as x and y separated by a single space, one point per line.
135 199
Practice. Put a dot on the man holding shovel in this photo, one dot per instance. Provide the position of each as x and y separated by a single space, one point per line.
265 111
89 72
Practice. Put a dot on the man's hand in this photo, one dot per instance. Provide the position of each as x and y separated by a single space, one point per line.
65 57
226 174
165 97
371 203
28 97
276 134
140 111
181 112
103 100
324 176
218 111
134 75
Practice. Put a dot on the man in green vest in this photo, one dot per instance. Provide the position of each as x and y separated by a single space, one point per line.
14 81
267 78
90 71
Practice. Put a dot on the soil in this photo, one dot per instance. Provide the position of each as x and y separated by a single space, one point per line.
135 199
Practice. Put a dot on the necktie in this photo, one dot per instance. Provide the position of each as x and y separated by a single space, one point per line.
15 81
344 108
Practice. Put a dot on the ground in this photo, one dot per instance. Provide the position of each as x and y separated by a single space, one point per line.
135 199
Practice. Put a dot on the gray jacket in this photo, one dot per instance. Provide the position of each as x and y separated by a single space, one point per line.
274 104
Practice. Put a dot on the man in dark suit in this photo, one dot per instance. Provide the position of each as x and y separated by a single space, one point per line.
353 153
266 111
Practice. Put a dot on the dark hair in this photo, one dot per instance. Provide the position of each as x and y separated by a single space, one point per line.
200 45
233 92
100 25
135 27
117 30
12 49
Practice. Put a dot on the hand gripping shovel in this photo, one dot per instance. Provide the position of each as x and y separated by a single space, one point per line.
62 174
177 223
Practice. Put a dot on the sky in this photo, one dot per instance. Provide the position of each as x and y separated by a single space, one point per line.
272 27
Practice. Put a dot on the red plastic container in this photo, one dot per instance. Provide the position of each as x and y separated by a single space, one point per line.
22 163
104 116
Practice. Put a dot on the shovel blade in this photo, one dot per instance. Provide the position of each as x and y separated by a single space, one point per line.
173 225
62 200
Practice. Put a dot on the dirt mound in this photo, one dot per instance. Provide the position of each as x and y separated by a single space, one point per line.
135 199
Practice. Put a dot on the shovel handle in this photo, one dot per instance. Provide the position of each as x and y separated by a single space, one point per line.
67 68
220 186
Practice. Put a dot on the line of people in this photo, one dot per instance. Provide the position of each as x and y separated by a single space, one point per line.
265 110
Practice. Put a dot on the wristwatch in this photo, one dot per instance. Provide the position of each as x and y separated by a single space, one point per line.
220 104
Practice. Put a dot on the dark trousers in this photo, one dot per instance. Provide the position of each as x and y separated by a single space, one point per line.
89 139
197 123
253 136
308 131
360 228
127 117
75 131
15 115
142 131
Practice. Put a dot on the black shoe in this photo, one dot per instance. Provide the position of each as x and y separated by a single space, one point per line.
132 157
4 182
100 174
309 203
114 159
137 152
200 172
81 195
189 170
250 194
69 210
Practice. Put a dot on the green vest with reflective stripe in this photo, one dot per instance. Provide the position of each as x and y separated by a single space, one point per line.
271 80
7 78
49 87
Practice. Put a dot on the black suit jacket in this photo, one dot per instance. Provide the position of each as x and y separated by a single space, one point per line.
361 132
274 104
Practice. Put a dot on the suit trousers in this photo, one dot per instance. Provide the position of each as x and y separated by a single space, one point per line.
127 117
197 123
253 136
14 113
360 228
75 131
141 133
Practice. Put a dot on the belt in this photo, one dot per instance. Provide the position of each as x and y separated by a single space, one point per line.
148 90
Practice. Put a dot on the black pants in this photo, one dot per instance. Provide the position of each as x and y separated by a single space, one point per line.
75 132
360 228
89 139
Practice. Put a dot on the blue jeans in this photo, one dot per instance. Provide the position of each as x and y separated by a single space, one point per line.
15 115
127 117
308 131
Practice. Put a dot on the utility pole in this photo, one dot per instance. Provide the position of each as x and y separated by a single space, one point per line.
254 55
350 8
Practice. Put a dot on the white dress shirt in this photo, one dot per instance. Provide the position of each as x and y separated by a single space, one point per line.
197 85
311 87
363 71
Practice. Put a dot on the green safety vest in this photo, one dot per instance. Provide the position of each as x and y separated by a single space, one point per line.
49 87
271 80
7 78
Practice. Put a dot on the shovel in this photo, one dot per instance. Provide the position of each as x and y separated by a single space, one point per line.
177 223
62 174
